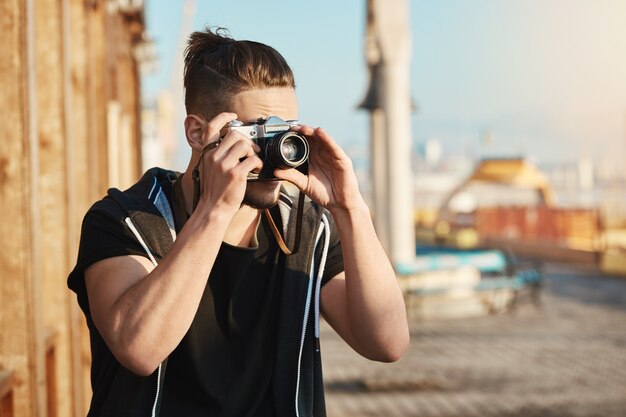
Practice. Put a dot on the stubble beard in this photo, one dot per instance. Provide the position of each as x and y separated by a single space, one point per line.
260 199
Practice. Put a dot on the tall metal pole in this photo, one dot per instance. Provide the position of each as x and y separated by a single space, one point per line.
388 53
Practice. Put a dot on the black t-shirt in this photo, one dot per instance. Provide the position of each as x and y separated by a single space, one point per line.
224 364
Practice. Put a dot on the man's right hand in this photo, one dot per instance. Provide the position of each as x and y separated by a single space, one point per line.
224 170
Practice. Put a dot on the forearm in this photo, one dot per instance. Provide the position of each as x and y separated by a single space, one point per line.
366 308
375 306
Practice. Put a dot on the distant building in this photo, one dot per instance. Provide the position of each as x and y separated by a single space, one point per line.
433 152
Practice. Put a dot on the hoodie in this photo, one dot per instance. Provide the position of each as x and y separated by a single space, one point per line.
297 384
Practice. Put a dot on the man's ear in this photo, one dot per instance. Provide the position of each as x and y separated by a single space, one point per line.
195 128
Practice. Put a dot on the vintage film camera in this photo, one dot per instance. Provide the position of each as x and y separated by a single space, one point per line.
280 146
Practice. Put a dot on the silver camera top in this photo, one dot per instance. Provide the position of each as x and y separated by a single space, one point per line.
262 127
280 147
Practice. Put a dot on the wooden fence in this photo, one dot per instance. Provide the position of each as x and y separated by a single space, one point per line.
69 129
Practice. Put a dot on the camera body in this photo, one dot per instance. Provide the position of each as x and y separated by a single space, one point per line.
280 146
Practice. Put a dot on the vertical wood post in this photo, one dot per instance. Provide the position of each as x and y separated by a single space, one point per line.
388 55
53 201
21 338
77 177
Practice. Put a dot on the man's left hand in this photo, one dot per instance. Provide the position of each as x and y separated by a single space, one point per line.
331 181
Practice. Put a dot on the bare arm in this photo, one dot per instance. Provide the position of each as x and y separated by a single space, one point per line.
364 304
143 312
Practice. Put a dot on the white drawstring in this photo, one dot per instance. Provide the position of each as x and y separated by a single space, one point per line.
133 229
320 274
323 230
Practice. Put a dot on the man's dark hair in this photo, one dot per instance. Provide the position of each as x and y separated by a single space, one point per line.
217 67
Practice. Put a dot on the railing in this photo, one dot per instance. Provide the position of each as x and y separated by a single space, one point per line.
6 394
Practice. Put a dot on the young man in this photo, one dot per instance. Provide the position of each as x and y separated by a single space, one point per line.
192 306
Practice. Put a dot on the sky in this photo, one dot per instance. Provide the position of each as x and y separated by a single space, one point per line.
543 79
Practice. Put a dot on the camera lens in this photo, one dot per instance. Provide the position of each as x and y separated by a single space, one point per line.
289 150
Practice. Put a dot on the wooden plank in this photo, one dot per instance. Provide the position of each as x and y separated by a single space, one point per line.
53 361
20 317
128 94
96 141
6 383
52 201
33 280
6 394
98 81
80 194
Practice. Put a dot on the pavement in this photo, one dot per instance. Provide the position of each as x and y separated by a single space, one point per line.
565 357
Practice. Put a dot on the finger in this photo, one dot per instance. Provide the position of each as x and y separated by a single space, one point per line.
218 122
303 129
243 148
319 136
328 141
292 175
235 139
234 135
250 164
232 153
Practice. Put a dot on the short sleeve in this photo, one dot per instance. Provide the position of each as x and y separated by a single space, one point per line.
102 237
334 259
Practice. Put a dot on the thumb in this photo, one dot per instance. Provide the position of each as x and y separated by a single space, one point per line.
292 175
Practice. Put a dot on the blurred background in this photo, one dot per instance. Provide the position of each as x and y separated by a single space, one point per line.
489 139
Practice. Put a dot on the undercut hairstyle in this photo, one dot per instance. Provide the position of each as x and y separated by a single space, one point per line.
217 67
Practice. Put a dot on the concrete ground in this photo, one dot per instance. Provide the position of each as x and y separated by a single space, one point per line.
563 358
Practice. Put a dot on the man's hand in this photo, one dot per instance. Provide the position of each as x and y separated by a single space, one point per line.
331 181
364 304
224 170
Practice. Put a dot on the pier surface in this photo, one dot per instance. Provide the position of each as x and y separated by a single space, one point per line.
565 357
